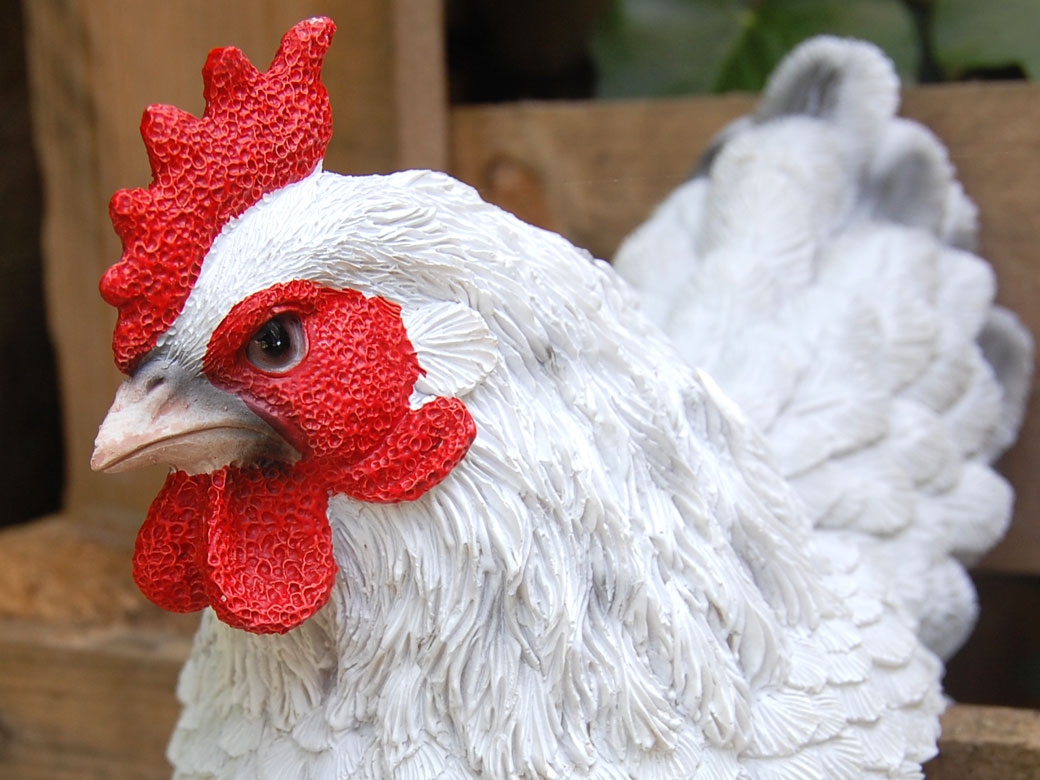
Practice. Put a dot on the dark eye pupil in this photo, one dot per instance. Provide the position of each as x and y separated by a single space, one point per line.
279 345
273 339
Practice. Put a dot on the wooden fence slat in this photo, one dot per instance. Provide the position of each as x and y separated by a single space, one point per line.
74 713
987 743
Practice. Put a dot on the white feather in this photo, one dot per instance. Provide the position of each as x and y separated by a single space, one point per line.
456 351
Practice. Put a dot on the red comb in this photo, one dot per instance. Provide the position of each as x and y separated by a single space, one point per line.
259 132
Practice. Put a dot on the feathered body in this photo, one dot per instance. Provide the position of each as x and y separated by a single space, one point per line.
612 581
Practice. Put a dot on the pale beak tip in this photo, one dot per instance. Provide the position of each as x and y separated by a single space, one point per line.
97 460
102 457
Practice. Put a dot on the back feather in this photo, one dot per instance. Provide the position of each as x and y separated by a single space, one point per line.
819 267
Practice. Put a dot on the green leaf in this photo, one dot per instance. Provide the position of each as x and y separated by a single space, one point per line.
664 47
777 26
968 35
670 47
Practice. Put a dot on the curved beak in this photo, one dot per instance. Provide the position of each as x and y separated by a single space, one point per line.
164 414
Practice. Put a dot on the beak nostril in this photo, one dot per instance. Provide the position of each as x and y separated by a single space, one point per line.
153 383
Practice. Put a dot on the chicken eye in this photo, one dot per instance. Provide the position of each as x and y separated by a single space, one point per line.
279 345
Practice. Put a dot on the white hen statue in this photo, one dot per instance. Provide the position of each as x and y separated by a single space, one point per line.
454 508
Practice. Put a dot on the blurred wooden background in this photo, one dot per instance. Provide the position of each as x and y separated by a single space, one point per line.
87 667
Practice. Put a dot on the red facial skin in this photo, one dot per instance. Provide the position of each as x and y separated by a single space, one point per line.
253 540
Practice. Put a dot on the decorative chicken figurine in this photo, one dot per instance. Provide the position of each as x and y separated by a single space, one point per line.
455 507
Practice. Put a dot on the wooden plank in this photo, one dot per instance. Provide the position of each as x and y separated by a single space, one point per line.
993 133
421 85
987 743
593 171
87 666
97 712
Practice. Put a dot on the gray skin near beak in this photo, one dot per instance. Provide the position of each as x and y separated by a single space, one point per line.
164 415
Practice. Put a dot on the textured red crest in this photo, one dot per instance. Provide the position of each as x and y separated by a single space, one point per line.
259 132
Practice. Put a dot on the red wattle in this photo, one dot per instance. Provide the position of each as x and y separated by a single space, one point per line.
170 545
421 451
253 543
269 559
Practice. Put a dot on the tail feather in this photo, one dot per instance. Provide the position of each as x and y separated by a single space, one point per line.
1007 346
819 267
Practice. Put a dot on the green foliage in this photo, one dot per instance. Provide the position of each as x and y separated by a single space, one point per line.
665 47
969 36
775 27
671 47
